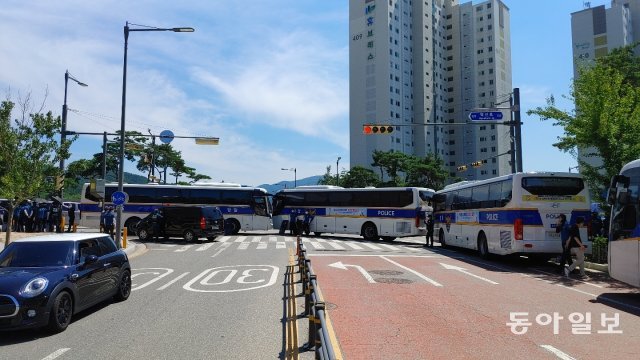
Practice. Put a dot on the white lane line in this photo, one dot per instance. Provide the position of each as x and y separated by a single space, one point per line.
255 239
205 246
223 239
56 353
222 248
556 352
172 281
370 246
431 281
334 244
262 245
240 239
353 246
281 245
184 248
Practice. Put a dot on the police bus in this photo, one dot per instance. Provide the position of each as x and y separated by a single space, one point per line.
511 214
244 208
624 231
372 213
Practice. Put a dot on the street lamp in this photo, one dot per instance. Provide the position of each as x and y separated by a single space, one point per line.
295 176
122 119
337 173
63 130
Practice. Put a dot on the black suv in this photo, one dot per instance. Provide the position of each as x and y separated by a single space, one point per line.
188 222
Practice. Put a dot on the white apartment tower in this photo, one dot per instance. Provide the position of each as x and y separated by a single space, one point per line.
594 32
423 66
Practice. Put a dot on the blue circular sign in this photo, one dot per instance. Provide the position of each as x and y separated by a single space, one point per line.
166 136
119 197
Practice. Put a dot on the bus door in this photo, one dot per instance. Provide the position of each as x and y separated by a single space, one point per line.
262 211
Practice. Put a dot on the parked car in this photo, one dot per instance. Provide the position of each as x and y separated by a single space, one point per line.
188 222
45 280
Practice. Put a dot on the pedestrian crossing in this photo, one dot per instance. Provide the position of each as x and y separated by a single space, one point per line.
265 242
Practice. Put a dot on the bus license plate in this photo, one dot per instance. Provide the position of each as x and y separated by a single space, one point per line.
553 235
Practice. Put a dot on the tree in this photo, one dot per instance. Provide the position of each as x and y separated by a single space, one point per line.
327 178
426 172
359 177
606 116
392 162
28 153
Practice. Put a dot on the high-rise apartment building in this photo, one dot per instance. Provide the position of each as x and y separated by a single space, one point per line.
594 32
423 66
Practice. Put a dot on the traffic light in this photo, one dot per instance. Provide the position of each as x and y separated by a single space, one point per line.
377 129
462 168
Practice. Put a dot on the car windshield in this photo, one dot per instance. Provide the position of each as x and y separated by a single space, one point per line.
38 254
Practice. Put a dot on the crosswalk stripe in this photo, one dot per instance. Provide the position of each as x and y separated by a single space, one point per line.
281 245
335 245
390 247
205 246
255 239
273 239
223 239
243 246
316 245
240 239
370 246
262 246
184 248
353 246
410 248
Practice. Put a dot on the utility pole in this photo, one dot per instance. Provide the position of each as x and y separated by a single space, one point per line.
516 112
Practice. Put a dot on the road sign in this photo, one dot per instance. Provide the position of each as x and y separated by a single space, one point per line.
166 136
485 115
119 197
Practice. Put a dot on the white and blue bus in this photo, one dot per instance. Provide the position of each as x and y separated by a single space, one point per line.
511 214
373 213
244 208
624 230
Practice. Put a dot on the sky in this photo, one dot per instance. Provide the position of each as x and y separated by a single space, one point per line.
269 78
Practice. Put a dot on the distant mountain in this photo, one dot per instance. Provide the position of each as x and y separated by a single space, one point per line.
273 188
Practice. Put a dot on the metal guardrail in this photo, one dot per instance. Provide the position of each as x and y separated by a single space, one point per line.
314 307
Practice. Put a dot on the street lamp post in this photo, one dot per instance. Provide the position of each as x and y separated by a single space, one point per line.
63 128
337 173
127 30
295 176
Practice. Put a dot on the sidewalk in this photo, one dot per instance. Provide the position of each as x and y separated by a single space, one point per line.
133 249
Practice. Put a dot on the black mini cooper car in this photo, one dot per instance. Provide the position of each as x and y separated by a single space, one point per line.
45 280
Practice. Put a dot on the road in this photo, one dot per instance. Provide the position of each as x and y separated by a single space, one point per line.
385 300
215 300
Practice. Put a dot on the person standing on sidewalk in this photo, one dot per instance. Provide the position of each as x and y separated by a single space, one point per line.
563 228
577 248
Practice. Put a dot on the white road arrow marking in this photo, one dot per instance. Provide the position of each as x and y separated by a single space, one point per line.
464 271
340 265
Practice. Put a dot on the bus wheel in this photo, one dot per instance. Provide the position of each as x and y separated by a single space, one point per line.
369 231
483 249
441 239
231 226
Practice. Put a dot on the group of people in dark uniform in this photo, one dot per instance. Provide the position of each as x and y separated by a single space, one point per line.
32 216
